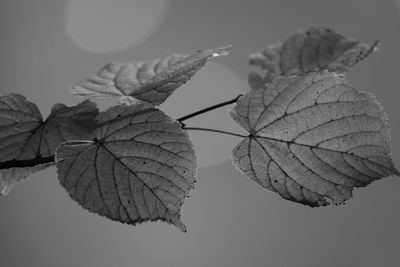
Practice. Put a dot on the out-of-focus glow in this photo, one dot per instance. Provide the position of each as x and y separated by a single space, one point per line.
213 84
107 26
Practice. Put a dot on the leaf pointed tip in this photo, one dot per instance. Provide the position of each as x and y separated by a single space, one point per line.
375 46
221 51
181 226
396 172
176 220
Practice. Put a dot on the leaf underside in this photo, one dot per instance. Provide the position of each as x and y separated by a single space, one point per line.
313 138
151 81
316 48
28 144
141 167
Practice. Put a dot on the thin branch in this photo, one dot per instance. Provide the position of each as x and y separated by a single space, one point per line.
194 114
212 130
25 163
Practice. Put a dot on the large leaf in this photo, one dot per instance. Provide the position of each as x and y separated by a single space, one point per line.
151 81
26 141
140 168
317 48
312 138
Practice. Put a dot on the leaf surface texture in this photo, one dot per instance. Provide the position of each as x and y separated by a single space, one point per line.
312 138
152 81
141 167
316 48
27 141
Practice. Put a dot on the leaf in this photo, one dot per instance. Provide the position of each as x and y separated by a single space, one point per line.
317 48
140 168
152 81
312 138
27 142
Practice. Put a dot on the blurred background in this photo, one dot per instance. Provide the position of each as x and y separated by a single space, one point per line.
47 45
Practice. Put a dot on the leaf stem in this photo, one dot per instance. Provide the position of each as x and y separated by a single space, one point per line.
204 110
212 130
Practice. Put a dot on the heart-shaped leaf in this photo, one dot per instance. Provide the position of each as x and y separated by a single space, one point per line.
27 142
140 167
312 138
317 48
151 81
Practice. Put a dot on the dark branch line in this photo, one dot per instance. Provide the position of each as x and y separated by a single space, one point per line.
25 163
39 160
194 114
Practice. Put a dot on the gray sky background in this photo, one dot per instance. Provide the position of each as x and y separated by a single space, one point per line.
46 45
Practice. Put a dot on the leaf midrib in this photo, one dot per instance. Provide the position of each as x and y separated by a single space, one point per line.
322 148
145 184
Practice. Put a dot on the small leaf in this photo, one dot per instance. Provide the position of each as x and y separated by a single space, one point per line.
152 81
312 138
27 143
140 167
317 48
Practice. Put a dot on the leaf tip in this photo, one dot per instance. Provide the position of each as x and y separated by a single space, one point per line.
375 46
369 49
180 226
396 172
176 220
221 51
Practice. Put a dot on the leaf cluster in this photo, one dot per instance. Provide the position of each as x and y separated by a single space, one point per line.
312 137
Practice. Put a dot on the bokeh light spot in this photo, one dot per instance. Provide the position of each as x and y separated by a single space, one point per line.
107 26
214 84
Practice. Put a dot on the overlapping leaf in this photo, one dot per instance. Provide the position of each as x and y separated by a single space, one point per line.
27 142
151 81
313 138
317 48
140 168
